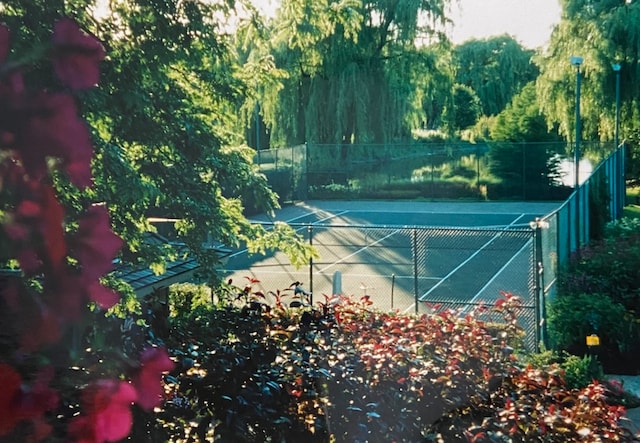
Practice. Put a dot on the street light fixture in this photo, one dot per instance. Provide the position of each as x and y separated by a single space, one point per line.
577 62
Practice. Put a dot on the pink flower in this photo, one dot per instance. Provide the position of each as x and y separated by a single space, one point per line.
153 362
4 42
40 325
51 228
19 402
29 260
106 407
9 414
46 125
39 213
76 55
104 297
95 245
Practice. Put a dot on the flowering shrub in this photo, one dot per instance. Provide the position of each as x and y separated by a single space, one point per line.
599 292
53 260
343 371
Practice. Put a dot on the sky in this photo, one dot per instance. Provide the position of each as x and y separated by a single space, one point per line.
529 21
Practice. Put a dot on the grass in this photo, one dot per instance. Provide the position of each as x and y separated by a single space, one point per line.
632 209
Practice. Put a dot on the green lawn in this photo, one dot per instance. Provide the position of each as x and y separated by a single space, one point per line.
632 209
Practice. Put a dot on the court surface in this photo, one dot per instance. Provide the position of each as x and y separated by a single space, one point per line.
465 254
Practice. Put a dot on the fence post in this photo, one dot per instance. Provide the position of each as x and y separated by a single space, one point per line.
292 182
524 170
540 300
478 167
415 267
306 170
310 230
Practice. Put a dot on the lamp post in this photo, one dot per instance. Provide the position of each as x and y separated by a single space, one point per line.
620 165
577 61
616 67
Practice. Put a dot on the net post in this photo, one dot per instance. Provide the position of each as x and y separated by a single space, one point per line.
337 283
393 285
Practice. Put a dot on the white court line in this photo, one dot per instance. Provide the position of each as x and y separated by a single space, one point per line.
242 251
499 234
495 276
329 217
358 251
305 271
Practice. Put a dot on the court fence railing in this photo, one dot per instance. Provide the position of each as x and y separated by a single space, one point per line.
580 219
391 265
411 269
451 170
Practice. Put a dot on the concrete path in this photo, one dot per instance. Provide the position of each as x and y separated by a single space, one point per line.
631 384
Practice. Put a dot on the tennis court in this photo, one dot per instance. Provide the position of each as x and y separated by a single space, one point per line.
399 252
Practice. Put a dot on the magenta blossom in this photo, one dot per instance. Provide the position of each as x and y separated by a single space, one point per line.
42 125
106 407
95 245
76 55
4 42
153 362
20 402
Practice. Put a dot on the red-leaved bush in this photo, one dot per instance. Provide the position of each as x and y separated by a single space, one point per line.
346 372
53 262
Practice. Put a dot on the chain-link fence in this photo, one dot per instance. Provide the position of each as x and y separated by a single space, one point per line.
578 220
495 170
413 268
409 269
285 169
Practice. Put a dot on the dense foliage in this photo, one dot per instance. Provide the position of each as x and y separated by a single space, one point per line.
496 68
61 382
599 293
527 169
166 126
353 70
464 108
343 371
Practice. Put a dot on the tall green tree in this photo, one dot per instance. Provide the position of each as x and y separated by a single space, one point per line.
602 32
464 108
523 152
165 120
435 83
522 120
496 68
351 69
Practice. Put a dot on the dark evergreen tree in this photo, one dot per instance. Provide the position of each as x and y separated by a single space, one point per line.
464 109
523 152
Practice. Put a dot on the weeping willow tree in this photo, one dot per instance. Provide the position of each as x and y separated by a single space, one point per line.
352 69
495 68
602 32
